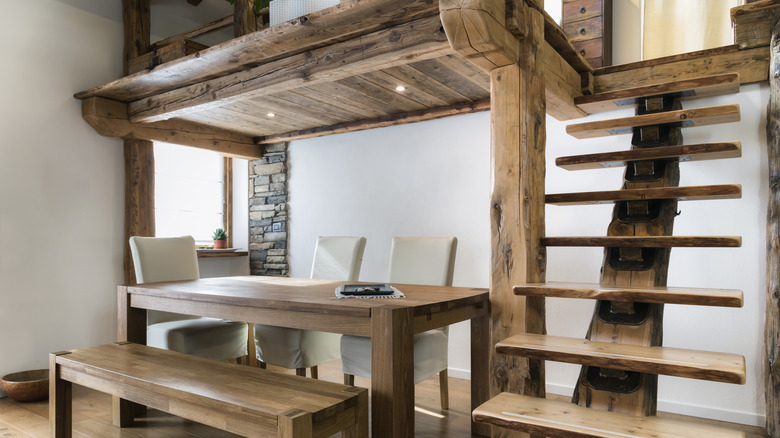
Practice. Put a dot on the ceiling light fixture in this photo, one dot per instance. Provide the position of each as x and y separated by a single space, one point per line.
400 88
271 115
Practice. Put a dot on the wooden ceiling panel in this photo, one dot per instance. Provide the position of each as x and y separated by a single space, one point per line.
452 79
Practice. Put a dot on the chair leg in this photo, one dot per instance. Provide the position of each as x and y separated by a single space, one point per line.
349 379
444 392
261 364
314 372
300 372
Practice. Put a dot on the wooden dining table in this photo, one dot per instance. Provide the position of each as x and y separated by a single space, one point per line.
311 304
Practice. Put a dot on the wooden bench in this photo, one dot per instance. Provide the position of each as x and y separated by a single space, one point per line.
247 401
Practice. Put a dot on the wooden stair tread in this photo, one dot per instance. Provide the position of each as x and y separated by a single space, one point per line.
693 152
684 118
691 193
693 364
558 419
685 89
667 295
645 241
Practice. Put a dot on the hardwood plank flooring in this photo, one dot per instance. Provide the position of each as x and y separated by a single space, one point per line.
92 415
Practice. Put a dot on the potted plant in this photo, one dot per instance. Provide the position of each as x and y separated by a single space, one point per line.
220 239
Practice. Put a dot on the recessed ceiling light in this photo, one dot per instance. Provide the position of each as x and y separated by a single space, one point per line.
400 88
271 115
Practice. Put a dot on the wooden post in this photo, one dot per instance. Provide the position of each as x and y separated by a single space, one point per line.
139 154
517 209
244 18
772 328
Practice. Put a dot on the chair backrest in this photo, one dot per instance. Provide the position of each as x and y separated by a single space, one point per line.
164 259
338 258
423 260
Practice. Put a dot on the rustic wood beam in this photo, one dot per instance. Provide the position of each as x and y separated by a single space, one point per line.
353 19
477 30
562 84
753 23
194 33
772 327
517 209
379 122
139 196
418 40
109 118
752 66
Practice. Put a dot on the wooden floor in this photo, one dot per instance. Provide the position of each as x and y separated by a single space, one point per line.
92 415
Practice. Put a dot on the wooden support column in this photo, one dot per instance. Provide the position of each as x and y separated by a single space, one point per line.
139 154
772 328
244 19
517 209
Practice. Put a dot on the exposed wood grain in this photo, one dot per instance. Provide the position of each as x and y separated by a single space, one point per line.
164 54
584 30
692 364
396 119
137 28
391 375
243 400
562 85
753 23
139 197
691 193
670 295
194 33
752 65
772 300
557 419
244 19
693 152
685 118
109 118
394 46
476 29
684 89
517 208
556 37
349 20
645 241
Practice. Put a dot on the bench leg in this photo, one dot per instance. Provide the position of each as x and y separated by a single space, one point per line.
294 423
60 401
360 428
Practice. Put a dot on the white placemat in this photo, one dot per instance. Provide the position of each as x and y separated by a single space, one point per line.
396 294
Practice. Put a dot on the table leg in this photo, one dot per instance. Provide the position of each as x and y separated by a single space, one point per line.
131 327
60 400
480 365
392 372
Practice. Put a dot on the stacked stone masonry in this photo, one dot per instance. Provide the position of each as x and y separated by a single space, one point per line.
268 212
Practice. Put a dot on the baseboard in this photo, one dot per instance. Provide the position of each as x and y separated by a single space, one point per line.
731 416
459 373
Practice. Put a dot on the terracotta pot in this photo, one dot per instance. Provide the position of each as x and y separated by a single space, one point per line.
26 386
220 244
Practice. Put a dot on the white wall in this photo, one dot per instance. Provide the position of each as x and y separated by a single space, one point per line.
61 185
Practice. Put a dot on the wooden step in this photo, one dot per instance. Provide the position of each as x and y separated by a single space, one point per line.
685 89
645 241
684 118
693 152
692 193
661 295
692 364
558 419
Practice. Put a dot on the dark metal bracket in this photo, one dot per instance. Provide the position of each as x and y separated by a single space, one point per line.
612 312
631 259
605 379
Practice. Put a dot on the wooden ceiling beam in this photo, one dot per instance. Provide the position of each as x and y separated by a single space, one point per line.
399 45
109 118
380 122
349 20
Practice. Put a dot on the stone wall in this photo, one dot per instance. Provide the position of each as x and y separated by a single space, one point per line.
268 212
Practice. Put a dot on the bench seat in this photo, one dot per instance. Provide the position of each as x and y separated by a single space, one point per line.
247 401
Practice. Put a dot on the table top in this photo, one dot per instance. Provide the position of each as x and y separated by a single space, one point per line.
306 294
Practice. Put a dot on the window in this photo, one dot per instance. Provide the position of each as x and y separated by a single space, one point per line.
190 192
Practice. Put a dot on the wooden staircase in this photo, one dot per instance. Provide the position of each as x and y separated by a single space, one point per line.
622 353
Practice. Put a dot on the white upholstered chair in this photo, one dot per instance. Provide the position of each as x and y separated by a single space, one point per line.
171 259
335 258
413 260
